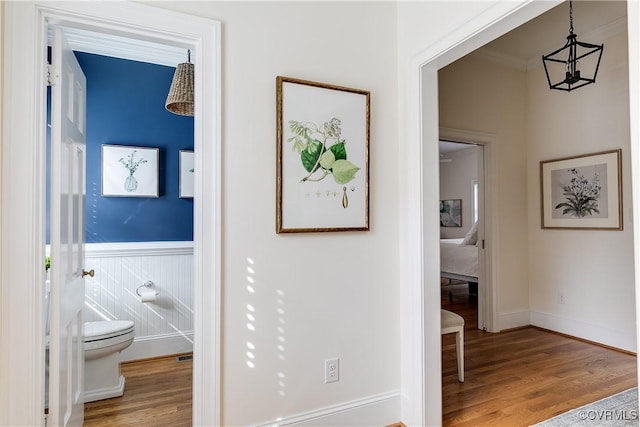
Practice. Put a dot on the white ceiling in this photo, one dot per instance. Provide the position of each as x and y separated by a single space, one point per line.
525 45
549 31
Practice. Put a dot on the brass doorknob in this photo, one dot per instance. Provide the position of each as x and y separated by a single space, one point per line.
89 273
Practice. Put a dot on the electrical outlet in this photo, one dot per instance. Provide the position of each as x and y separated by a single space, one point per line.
331 370
560 297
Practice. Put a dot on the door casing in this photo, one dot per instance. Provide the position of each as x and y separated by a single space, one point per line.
488 293
22 228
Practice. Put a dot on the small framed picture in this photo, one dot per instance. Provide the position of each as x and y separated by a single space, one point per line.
322 157
451 213
186 174
129 171
582 192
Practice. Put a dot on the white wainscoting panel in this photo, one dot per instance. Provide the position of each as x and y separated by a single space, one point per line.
164 326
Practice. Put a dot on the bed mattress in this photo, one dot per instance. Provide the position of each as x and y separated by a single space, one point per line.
456 258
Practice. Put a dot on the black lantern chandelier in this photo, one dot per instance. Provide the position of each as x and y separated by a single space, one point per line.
561 66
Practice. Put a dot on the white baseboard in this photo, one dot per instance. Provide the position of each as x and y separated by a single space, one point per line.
105 393
514 319
625 340
158 346
378 410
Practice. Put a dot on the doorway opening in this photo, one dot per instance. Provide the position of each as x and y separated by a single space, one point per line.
139 244
26 27
462 230
429 76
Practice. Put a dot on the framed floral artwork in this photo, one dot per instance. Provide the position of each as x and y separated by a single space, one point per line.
582 192
186 174
322 157
129 171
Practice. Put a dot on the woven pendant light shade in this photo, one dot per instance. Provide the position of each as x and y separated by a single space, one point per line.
180 98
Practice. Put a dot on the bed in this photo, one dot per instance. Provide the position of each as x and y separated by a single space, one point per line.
458 261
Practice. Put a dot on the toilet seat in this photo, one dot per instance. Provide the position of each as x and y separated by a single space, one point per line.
102 330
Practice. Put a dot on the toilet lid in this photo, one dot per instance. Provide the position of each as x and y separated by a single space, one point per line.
94 331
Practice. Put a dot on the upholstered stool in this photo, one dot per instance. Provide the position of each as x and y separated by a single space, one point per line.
451 322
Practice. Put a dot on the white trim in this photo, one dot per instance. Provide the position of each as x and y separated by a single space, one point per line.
422 404
123 47
379 409
158 346
623 339
503 59
22 333
633 34
488 270
596 35
131 249
105 393
22 227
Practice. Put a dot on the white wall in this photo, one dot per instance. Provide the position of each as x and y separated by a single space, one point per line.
431 34
594 269
248 88
533 124
318 295
476 95
456 178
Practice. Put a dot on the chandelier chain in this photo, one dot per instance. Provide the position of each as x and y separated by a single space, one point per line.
570 17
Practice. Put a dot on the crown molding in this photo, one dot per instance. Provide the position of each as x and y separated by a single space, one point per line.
601 33
123 47
501 59
595 36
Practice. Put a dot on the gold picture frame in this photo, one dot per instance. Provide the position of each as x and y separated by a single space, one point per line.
322 157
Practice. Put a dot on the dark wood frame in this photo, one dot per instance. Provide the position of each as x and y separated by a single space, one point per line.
613 158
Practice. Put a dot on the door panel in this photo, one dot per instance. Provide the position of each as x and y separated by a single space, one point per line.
66 383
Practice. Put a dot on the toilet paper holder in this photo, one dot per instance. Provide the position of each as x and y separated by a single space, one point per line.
148 284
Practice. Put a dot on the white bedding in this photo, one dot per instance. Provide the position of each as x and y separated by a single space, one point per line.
458 259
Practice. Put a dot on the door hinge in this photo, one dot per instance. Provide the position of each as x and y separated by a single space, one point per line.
482 243
51 74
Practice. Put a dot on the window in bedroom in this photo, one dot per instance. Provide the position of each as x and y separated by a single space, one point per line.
474 200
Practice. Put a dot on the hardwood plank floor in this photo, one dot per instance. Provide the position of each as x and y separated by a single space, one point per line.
523 376
514 378
157 393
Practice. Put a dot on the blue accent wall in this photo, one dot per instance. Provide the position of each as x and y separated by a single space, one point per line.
125 106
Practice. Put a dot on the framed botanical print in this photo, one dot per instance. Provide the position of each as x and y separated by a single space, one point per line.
582 192
129 171
322 157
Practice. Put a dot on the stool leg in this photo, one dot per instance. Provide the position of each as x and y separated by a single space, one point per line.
460 354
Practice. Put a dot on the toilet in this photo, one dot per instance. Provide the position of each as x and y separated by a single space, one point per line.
103 342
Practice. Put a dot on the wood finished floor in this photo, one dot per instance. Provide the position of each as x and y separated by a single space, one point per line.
524 376
514 378
157 393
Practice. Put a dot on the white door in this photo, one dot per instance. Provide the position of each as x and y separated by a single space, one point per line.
66 369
